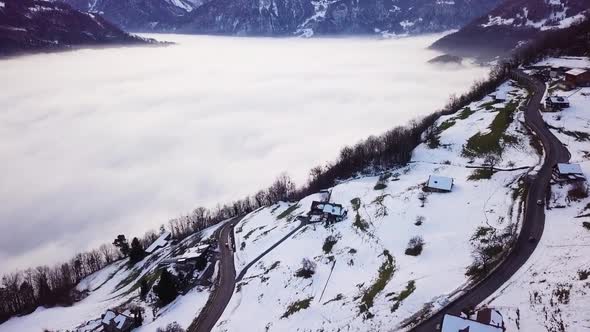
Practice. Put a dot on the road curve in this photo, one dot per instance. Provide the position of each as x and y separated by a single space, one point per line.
224 290
534 216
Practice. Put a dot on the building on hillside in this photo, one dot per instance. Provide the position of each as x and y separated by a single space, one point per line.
577 77
490 317
569 172
556 103
439 184
117 322
452 323
324 211
193 258
160 242
501 95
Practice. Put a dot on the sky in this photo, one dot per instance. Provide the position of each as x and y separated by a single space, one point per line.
95 143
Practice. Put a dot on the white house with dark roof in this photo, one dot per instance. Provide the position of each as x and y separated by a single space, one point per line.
439 183
572 172
115 322
160 242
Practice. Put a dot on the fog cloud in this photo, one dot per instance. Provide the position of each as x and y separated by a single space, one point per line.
95 143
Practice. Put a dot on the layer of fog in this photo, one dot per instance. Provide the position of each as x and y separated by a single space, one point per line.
95 143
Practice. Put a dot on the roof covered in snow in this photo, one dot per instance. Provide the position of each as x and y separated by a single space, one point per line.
576 71
456 324
566 169
160 242
108 317
558 99
440 182
195 252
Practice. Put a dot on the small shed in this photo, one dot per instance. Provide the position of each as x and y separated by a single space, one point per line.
557 102
160 242
578 77
572 172
501 95
452 323
439 183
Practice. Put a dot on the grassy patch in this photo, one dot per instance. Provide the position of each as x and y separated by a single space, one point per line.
580 136
480 144
480 174
415 246
297 306
356 203
252 232
465 113
380 186
359 223
132 276
288 211
398 299
381 208
446 125
329 244
385 274
489 105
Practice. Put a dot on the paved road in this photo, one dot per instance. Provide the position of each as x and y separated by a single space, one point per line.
534 217
220 297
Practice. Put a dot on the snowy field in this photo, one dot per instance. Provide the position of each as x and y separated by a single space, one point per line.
550 292
114 286
100 142
364 281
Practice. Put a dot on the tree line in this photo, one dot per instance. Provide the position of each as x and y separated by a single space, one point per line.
23 291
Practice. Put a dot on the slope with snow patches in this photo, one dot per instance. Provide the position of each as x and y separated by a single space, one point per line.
364 281
551 292
118 285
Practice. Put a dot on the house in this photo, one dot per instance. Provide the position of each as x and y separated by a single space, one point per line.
325 195
452 323
555 103
439 183
160 242
501 95
193 257
117 322
490 317
577 77
569 172
329 212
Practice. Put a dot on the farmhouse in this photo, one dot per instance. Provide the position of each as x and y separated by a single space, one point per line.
160 242
555 103
577 77
115 322
452 323
571 172
324 211
439 183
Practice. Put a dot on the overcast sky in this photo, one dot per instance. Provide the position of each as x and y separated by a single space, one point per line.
94 143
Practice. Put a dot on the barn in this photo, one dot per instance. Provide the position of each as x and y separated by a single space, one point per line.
577 77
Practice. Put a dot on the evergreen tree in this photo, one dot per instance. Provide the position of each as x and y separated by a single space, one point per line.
136 253
166 289
121 243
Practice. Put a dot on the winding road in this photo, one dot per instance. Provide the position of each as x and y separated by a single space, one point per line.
224 289
534 216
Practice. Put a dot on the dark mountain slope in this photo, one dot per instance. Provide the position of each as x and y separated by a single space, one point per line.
288 17
512 23
37 25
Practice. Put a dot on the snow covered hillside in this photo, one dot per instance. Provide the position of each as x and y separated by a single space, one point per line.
118 286
355 275
550 293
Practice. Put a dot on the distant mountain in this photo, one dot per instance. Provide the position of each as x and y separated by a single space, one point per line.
288 17
511 24
38 25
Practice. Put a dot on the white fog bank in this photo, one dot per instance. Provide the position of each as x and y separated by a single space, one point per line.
94 143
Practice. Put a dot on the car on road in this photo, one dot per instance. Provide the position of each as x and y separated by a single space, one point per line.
532 239
540 202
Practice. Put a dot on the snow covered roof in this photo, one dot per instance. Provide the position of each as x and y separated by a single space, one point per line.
566 169
576 71
120 320
160 242
333 209
455 324
108 317
558 100
501 95
194 252
440 182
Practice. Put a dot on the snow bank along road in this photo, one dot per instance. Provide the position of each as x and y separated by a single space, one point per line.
534 216
220 297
